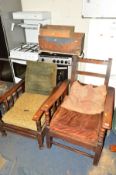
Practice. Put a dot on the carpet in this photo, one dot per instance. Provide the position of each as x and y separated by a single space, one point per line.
2 161
6 166
24 158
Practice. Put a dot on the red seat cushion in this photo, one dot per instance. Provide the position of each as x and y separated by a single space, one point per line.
79 126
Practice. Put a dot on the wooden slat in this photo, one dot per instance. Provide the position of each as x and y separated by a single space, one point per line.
105 75
91 74
93 61
72 149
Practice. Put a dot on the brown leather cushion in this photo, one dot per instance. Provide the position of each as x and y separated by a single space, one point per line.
76 125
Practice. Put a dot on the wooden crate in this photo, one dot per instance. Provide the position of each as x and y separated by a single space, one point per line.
56 31
73 44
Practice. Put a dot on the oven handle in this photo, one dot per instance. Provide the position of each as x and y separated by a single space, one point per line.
62 68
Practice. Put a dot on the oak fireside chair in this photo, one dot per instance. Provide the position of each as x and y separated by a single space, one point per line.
24 100
81 118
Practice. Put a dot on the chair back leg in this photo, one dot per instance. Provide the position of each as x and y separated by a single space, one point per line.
2 130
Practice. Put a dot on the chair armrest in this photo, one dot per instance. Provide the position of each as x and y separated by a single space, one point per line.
11 91
109 108
9 97
37 116
62 90
56 93
39 113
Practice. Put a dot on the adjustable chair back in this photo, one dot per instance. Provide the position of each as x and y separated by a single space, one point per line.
24 101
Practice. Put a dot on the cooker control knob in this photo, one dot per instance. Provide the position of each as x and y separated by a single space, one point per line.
54 61
62 61
66 62
42 59
57 61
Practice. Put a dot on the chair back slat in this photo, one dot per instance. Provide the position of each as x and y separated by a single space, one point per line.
91 74
76 69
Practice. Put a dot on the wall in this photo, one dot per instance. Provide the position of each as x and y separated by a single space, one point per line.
68 12
63 12
6 9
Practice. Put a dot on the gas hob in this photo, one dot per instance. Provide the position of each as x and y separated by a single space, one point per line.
25 52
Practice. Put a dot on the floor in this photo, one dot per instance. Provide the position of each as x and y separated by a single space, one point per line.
24 158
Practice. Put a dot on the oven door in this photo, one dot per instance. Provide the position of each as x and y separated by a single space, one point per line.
19 68
6 73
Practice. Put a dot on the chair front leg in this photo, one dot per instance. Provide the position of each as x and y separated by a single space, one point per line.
40 139
2 130
102 133
40 134
48 139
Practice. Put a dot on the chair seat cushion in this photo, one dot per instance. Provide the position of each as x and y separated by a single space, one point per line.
85 98
79 126
23 110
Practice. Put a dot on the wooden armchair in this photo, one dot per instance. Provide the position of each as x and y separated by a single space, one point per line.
86 129
24 100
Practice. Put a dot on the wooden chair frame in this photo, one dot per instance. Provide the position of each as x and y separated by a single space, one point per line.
53 104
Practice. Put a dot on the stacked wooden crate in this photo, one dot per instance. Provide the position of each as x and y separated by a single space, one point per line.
61 39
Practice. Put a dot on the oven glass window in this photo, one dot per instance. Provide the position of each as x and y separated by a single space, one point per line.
62 73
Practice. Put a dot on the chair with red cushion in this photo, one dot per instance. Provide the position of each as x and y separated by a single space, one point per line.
82 117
